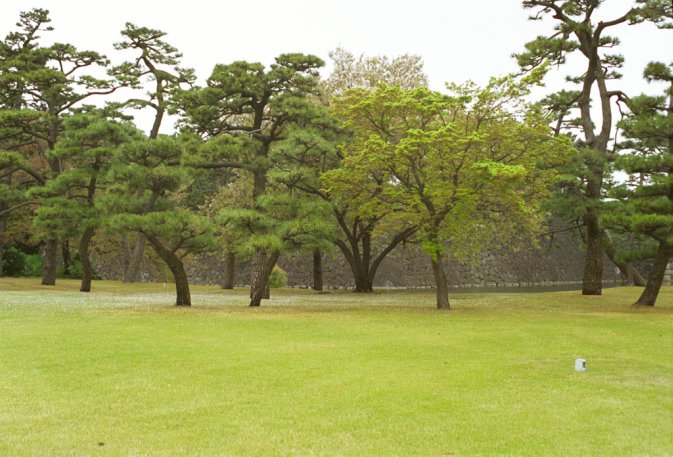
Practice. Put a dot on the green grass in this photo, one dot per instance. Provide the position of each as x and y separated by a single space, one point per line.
121 372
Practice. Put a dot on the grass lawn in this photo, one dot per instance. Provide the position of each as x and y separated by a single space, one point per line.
122 372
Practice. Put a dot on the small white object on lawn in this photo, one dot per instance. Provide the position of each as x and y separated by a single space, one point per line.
580 365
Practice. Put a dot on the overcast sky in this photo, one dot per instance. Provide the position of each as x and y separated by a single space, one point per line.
457 39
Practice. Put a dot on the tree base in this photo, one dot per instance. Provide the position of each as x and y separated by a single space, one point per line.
592 292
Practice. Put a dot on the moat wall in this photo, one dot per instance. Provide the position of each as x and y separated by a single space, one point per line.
552 261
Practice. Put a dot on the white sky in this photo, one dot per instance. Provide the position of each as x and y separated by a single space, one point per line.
457 39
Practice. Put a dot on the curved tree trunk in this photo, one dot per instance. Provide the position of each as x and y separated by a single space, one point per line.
136 256
87 270
630 274
592 283
50 258
649 295
182 294
441 283
317 270
261 266
229 270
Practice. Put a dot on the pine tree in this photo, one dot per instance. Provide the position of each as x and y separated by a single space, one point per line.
155 67
645 205
39 86
577 32
146 198
69 208
242 114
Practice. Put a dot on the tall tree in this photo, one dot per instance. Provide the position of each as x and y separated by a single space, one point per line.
310 149
645 204
366 232
89 142
567 203
155 67
146 199
41 85
462 169
578 31
364 238
243 113
349 72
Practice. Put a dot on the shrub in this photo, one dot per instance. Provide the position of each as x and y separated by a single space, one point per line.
14 262
33 265
278 278
76 271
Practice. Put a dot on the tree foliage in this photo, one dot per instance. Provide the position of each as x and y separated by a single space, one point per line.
145 199
643 205
39 87
243 115
577 32
90 140
451 166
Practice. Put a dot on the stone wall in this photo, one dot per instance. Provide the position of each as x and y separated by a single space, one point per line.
551 262
668 276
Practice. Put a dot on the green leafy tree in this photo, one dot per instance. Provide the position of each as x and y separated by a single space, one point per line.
89 141
237 192
145 198
578 32
310 149
567 203
155 67
365 238
242 114
644 205
462 169
366 232
282 220
39 86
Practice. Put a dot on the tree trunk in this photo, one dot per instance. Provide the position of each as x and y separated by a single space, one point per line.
87 270
630 274
229 270
317 270
440 281
131 272
649 295
632 277
261 266
592 283
3 226
49 267
362 282
182 294
67 258
357 249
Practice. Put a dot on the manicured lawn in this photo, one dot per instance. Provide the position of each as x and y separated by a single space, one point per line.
122 372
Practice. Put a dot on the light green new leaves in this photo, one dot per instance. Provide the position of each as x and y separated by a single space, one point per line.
465 168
